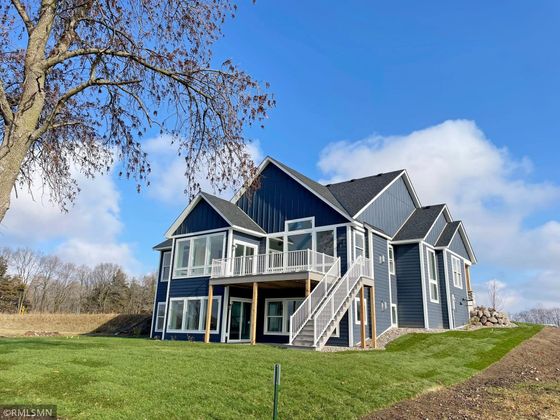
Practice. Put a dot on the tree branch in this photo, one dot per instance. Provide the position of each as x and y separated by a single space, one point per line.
24 16
5 108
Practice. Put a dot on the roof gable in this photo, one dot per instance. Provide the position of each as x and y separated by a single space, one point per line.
419 223
447 234
356 194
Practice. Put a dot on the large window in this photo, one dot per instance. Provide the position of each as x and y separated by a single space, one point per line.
359 245
160 316
277 315
394 315
432 276
391 254
165 266
300 224
358 311
189 314
193 256
457 272
325 242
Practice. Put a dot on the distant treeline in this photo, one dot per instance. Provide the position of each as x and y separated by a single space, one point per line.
549 316
34 282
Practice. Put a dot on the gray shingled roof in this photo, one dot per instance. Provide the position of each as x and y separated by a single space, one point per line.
319 189
164 245
419 224
233 214
355 194
447 234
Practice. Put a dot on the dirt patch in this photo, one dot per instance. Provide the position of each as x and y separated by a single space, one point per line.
41 334
524 384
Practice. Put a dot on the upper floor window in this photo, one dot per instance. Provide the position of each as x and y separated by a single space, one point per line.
359 245
432 276
300 224
193 256
391 254
165 266
457 272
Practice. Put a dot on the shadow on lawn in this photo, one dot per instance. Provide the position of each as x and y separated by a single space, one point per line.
125 325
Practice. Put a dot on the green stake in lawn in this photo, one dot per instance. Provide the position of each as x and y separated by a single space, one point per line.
276 387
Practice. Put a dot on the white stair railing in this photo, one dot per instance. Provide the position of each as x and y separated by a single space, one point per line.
306 309
273 262
337 296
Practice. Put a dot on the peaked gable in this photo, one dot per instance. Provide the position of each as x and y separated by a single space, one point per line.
200 218
458 246
280 197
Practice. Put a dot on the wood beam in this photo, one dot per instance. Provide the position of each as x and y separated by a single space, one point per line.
373 342
307 286
363 317
254 313
468 272
209 313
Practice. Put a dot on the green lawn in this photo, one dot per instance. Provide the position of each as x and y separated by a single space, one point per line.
98 377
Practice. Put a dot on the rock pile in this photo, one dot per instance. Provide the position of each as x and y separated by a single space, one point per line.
488 317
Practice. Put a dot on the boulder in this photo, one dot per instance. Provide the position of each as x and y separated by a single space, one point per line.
483 319
493 320
486 313
479 313
475 319
478 324
493 314
489 324
500 321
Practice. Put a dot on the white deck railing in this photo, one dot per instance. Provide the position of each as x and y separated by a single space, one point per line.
304 311
273 262
338 295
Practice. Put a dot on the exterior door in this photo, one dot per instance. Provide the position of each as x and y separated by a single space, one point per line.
245 258
239 328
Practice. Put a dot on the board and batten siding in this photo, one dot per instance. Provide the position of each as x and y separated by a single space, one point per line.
435 313
160 295
409 286
279 198
461 312
390 210
436 229
202 217
458 247
382 285
357 328
342 247
443 288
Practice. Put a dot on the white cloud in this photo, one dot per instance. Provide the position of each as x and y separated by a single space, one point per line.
484 185
87 234
167 179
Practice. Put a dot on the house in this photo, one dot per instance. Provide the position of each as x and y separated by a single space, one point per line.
292 261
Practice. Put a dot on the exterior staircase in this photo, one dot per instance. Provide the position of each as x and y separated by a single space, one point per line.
316 318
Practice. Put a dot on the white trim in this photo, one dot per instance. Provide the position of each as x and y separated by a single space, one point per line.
224 315
384 331
155 302
162 266
406 242
371 254
349 252
465 238
443 209
202 232
356 303
231 300
408 184
396 323
377 232
422 278
389 259
167 293
192 205
202 315
263 165
350 326
157 316
457 285
355 232
285 316
447 291
465 260
433 281
389 271
301 219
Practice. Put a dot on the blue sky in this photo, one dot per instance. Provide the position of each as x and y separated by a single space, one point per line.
352 81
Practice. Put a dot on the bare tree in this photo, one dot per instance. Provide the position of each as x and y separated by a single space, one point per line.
494 288
25 263
540 315
81 81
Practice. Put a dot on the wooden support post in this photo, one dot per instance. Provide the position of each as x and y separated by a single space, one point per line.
209 313
307 286
373 342
468 272
363 317
254 313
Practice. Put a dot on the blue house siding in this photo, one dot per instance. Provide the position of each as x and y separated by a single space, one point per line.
202 217
391 209
458 247
280 198
160 295
409 286
442 288
394 294
436 230
357 326
435 314
342 248
382 286
461 312
342 339
194 287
